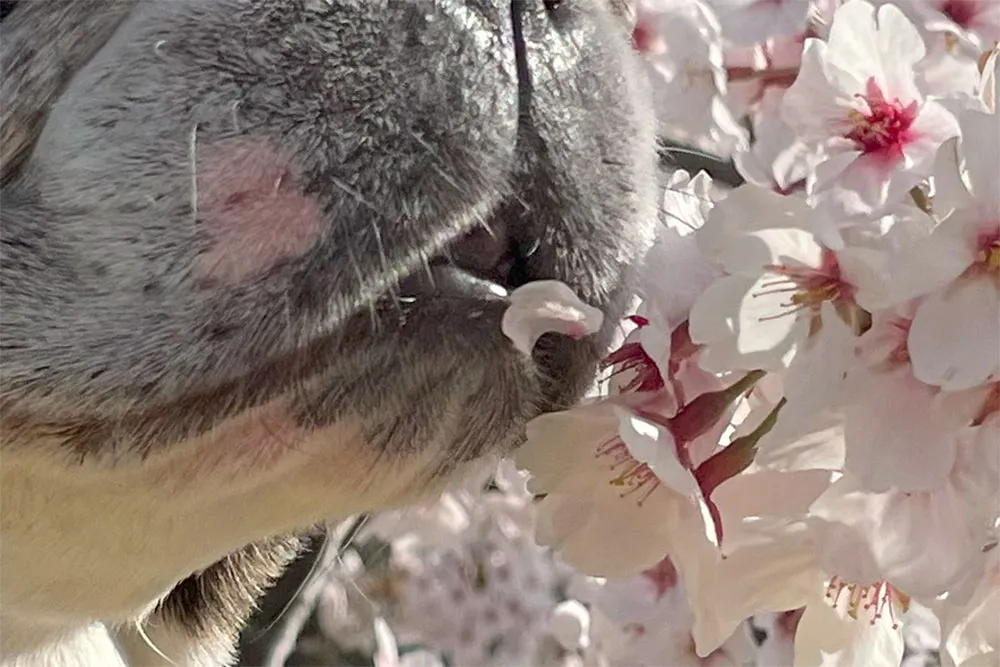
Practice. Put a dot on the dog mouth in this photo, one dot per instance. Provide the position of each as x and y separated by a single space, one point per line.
485 263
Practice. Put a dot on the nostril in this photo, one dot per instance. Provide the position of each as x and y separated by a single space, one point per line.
516 271
481 251
491 254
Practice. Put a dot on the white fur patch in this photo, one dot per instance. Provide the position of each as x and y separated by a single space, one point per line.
90 646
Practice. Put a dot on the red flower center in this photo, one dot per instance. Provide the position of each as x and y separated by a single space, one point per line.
989 249
987 262
885 127
962 12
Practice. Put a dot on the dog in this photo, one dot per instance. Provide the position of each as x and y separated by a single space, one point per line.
254 262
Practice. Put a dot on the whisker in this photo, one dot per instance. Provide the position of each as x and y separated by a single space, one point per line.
193 154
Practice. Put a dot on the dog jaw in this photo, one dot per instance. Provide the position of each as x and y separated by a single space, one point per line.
132 532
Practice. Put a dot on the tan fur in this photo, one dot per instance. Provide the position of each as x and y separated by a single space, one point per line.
167 517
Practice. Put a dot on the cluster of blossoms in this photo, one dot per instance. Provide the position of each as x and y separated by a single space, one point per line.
803 418
457 581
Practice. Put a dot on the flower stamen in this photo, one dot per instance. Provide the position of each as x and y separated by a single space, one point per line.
631 357
884 128
808 287
636 477
987 261
872 600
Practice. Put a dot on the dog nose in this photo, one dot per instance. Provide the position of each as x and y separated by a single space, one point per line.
484 251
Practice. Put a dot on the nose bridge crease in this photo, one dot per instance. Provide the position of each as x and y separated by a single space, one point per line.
525 86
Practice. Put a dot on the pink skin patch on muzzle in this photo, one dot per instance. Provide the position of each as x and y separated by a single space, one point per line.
253 209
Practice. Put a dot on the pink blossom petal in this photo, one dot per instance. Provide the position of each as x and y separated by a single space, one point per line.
950 189
747 209
893 436
554 440
815 379
863 187
719 321
768 323
954 340
990 81
821 447
931 262
981 143
933 126
687 201
866 270
774 571
970 628
770 247
827 171
546 306
854 40
924 540
654 445
901 48
777 156
601 535
770 493
814 104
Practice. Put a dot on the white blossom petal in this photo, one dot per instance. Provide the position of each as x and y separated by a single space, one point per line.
954 340
545 306
893 436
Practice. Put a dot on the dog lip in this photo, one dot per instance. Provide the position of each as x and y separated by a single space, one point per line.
449 280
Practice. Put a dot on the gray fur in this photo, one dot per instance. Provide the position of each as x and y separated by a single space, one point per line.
409 122
35 70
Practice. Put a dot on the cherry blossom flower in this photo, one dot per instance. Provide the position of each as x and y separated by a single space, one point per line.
610 467
921 542
780 273
856 96
856 282
773 563
602 508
